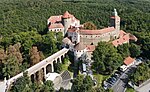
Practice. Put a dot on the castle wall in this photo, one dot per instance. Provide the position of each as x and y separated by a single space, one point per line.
78 53
75 37
57 29
94 39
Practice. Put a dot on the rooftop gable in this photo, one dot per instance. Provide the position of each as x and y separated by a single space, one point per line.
128 60
56 25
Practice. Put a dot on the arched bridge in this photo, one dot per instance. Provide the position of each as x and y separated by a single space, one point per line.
46 65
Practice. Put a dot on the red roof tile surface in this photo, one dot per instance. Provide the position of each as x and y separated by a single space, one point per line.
54 19
90 48
57 25
95 32
113 17
128 60
132 37
123 37
66 40
80 46
72 29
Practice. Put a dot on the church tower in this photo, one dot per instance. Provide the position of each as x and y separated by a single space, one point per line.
66 19
115 22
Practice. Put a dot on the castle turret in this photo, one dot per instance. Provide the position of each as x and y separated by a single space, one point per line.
66 19
115 22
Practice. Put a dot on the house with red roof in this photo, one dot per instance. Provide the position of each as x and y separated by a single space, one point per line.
129 61
61 23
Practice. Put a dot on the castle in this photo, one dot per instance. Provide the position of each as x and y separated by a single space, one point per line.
81 40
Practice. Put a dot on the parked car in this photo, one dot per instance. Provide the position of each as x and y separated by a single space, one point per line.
106 86
123 68
117 75
138 61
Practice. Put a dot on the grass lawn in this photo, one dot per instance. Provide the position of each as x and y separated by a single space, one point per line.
130 90
100 78
65 67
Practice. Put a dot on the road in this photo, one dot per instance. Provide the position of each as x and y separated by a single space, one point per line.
120 85
144 87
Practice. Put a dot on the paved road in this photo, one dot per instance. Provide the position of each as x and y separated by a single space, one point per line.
120 85
144 87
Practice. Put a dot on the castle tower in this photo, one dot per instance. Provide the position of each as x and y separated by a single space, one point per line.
115 22
66 19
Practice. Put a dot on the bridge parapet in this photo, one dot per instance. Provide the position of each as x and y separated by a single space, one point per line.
35 68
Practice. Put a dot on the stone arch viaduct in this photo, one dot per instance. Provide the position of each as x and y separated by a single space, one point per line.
47 65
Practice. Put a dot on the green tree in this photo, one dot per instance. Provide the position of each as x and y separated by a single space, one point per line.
11 66
22 84
34 56
144 42
89 25
81 84
141 74
124 50
87 84
47 87
106 59
48 45
57 67
134 50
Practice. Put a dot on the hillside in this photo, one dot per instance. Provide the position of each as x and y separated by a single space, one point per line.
24 15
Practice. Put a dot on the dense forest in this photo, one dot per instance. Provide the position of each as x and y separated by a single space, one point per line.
25 40
18 16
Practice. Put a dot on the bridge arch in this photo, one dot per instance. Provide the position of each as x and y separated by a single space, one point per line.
48 68
33 78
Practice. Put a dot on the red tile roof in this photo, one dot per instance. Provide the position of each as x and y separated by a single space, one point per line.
132 37
66 40
113 17
90 48
80 46
128 60
123 37
56 25
122 33
67 15
121 40
72 29
54 19
94 32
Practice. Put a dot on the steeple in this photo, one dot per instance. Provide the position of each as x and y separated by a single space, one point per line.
115 22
